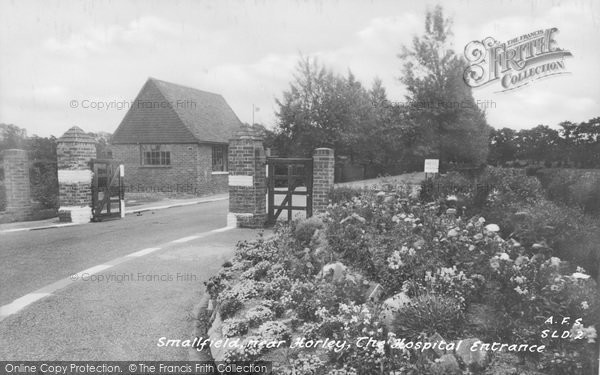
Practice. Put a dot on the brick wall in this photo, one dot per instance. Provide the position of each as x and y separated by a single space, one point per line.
247 186
190 171
74 152
74 155
209 182
75 194
323 175
16 183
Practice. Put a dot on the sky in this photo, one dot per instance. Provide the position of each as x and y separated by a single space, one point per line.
61 60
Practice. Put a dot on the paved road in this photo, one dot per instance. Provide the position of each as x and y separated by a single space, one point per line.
30 260
118 313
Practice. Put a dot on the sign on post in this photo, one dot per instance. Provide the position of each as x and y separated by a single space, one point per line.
121 194
432 165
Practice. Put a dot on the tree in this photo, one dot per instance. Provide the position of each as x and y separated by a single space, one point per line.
392 136
582 142
323 109
103 140
539 144
573 144
451 127
503 146
12 136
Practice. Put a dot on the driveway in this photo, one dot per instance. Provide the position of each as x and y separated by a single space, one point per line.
109 291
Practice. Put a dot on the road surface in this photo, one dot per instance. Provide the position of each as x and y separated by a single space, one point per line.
112 289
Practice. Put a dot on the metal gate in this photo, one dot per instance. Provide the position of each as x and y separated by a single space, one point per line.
108 191
289 177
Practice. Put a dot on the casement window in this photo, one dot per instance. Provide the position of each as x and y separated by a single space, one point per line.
155 155
219 158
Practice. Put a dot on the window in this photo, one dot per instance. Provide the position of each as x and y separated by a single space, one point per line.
155 155
219 158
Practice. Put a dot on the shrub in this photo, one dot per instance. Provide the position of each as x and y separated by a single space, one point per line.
259 314
44 184
230 307
274 331
581 247
304 364
429 314
305 229
234 327
256 251
215 284
2 196
258 271
453 183
445 264
344 194
426 191
572 187
586 194
275 288
565 231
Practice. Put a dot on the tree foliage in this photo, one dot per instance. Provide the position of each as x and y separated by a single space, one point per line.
574 145
450 126
325 109
322 109
12 136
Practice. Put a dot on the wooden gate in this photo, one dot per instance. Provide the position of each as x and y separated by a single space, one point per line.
108 191
289 177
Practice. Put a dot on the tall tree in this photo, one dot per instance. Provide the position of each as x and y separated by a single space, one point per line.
392 137
323 109
451 127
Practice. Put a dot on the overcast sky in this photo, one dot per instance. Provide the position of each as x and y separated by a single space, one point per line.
56 52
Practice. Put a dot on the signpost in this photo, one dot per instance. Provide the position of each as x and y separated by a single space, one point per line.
431 166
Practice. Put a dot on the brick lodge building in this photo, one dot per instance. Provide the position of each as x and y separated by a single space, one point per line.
173 140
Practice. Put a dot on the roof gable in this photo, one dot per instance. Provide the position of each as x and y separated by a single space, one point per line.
165 112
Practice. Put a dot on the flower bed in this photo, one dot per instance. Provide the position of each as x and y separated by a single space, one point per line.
382 284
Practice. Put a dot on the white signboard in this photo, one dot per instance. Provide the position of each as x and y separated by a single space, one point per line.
241 180
432 165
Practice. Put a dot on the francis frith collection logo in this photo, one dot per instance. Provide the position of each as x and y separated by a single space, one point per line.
514 63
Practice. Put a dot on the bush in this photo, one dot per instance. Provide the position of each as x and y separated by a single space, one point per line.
215 284
490 192
453 183
344 194
2 196
563 231
230 307
305 229
586 194
259 314
572 187
429 314
445 264
234 327
44 184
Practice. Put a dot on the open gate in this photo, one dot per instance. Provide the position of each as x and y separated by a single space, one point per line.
289 177
108 191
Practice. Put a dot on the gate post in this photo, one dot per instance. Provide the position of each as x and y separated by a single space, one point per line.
247 180
323 173
74 151
16 180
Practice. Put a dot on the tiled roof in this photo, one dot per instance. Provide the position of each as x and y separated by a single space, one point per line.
164 112
76 134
